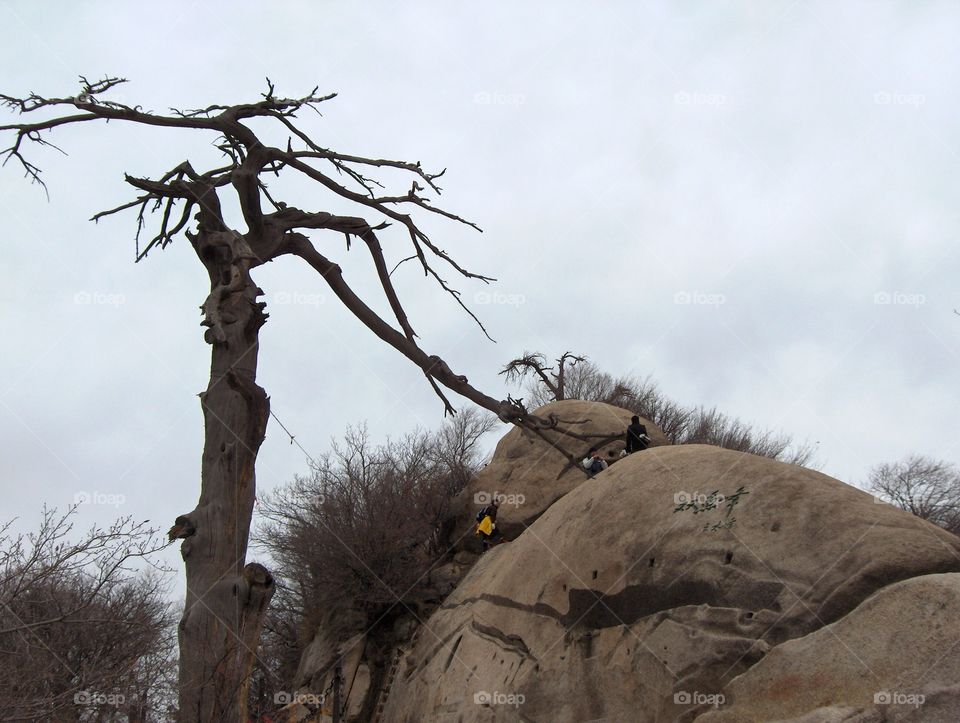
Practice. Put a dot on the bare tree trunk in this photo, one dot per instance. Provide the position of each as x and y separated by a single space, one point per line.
226 598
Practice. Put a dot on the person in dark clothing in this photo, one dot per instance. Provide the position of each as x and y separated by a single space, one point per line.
637 438
487 538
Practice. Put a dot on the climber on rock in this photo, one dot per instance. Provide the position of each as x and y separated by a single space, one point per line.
593 462
637 437
487 524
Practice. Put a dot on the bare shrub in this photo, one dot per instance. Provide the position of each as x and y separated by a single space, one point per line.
928 488
709 426
365 526
83 634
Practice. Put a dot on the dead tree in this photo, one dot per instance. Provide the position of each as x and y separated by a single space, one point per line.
227 596
535 365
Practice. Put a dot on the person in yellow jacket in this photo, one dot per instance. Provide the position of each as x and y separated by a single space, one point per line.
487 523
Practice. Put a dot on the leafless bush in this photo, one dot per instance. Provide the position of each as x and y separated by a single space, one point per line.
643 397
709 426
366 525
586 381
356 536
926 487
83 634
456 448
582 379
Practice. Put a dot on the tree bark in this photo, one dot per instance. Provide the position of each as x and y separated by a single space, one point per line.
226 597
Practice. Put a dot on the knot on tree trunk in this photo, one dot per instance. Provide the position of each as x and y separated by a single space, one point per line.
183 527
257 576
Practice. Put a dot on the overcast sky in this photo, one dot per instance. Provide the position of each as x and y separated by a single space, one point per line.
754 202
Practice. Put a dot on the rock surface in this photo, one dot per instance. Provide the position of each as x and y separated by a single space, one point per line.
612 605
533 475
893 658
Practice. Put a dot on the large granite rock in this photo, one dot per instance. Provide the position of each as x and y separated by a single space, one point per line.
532 475
896 657
613 605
